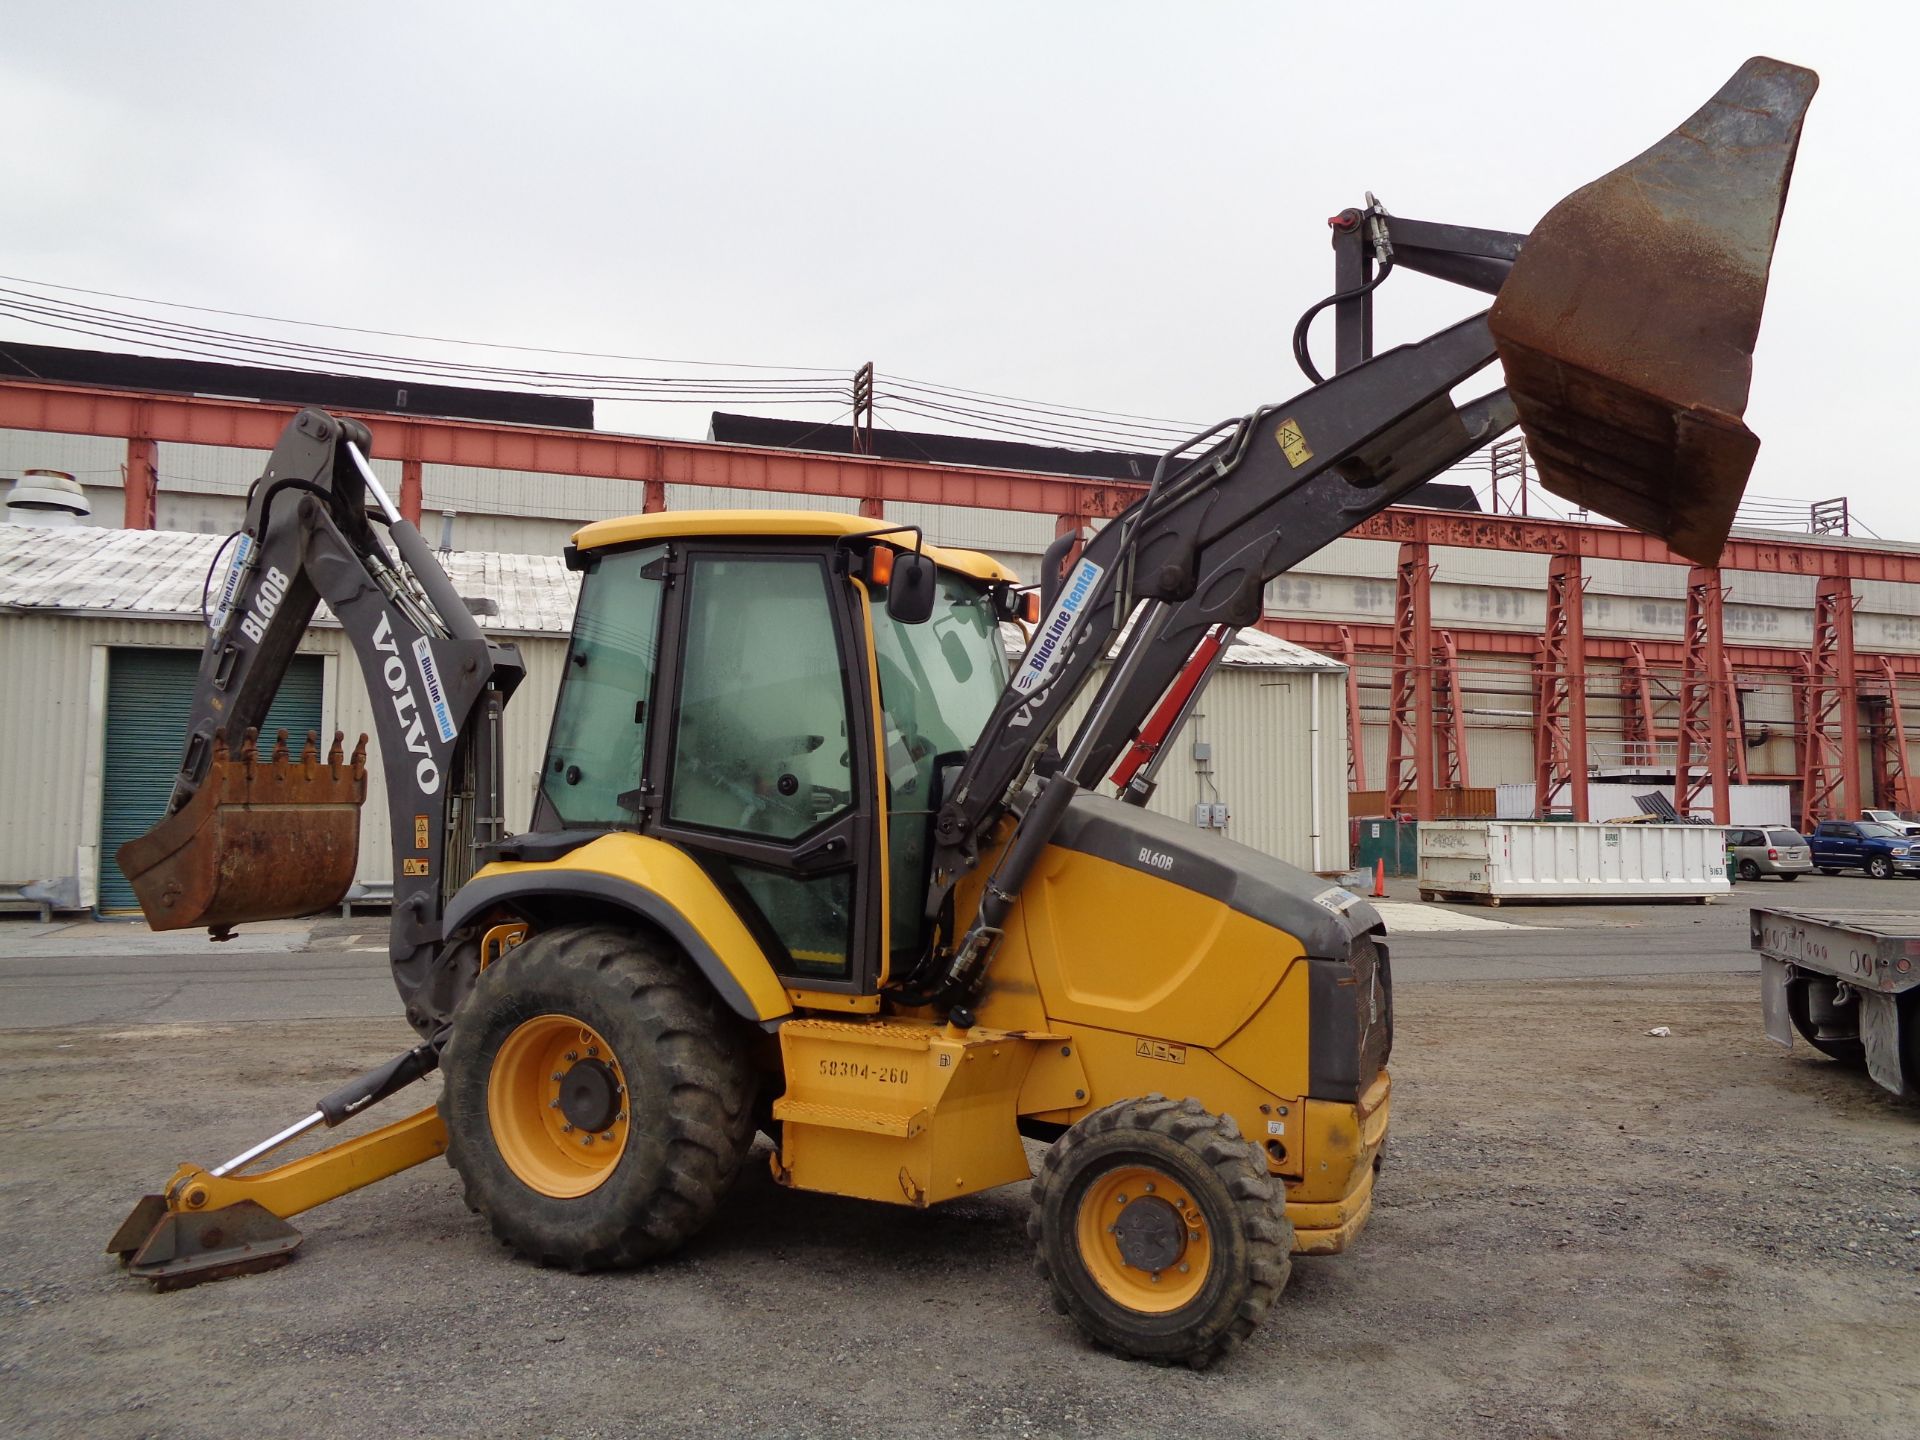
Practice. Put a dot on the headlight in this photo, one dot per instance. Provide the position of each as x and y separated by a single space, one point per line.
1899 852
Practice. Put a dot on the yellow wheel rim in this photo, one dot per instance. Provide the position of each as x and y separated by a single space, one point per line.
557 1104
1143 1239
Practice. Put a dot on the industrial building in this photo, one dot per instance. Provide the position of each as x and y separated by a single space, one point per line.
107 623
1479 650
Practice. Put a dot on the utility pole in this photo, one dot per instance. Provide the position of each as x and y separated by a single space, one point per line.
1507 460
863 410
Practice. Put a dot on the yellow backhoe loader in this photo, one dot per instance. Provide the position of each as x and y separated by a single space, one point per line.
809 858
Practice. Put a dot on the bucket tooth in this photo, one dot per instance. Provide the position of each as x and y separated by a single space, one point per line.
1628 323
261 839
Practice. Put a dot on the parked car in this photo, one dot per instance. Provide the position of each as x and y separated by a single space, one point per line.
1863 845
1782 853
1892 820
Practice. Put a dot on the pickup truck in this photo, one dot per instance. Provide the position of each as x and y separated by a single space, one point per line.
1892 820
1863 845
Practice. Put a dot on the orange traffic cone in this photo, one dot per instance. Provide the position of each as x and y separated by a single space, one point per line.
1379 880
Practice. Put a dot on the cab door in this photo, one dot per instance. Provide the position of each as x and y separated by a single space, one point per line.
766 758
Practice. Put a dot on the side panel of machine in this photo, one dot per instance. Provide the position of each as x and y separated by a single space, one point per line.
656 881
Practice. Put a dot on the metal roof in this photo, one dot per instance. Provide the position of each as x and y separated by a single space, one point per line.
159 574
88 570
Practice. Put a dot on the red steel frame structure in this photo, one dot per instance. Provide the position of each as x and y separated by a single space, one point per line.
1560 693
1830 777
1410 709
146 420
1892 786
1705 730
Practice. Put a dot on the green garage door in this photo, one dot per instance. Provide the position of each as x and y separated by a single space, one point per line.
149 695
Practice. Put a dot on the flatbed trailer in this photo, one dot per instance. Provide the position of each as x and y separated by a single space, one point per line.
1849 984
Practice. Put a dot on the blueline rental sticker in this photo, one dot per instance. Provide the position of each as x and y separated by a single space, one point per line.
234 571
436 697
1052 641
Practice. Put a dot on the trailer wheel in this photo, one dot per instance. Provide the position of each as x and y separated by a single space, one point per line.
1160 1230
597 1100
1799 1010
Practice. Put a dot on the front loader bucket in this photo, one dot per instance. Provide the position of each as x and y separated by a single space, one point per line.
259 840
1627 325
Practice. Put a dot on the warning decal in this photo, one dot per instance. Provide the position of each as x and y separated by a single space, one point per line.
1293 444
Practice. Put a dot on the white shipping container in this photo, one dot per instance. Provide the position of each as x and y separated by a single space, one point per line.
1546 860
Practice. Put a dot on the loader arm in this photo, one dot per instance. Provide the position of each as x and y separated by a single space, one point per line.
1625 322
437 687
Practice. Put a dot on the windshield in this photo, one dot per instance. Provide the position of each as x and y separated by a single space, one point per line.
938 684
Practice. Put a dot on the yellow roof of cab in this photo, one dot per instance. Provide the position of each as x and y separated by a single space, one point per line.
777 525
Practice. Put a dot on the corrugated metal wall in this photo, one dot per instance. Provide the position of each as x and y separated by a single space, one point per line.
1263 726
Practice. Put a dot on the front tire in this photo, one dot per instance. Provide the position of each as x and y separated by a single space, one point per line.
1880 868
1749 870
598 1098
1160 1230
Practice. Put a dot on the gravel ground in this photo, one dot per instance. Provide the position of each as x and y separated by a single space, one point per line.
1582 1231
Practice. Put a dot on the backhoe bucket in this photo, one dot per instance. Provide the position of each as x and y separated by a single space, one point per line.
259 840
1628 323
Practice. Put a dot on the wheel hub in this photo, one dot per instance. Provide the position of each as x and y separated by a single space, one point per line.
1143 1239
1151 1234
557 1105
589 1095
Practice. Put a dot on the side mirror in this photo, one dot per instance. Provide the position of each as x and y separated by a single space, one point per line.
911 590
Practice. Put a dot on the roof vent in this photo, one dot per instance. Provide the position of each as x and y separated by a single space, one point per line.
46 498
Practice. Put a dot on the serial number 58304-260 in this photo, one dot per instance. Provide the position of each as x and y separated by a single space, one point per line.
861 1070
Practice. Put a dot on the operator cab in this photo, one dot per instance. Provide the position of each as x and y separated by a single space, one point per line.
719 694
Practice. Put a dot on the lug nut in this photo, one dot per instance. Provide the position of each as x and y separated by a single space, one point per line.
558 1076
1183 1267
553 1104
1149 1187
607 1136
566 1129
1155 1277
573 1054
587 1141
1120 1199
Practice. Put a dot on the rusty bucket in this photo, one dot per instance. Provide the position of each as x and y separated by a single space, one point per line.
1628 323
260 839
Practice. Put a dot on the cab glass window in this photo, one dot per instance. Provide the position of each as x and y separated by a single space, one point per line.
939 681
592 770
760 744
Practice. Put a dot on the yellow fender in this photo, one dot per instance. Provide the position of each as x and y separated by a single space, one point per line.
656 881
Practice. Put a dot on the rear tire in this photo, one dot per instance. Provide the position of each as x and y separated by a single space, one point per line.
1825 871
1791 875
618 1014
1847 1052
1204 1200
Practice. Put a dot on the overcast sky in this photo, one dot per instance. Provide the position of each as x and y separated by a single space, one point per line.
1109 205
